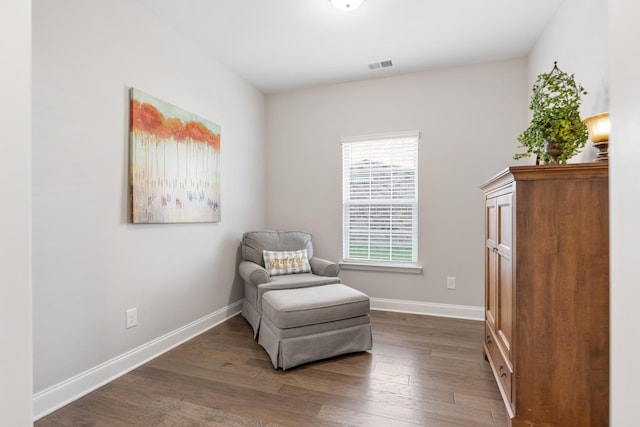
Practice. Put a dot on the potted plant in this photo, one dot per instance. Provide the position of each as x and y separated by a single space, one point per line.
556 132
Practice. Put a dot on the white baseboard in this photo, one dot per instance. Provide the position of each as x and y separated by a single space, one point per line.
432 309
65 392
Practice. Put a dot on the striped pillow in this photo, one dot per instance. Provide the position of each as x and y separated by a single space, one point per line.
286 262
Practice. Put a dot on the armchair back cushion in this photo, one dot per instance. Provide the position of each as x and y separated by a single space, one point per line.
254 242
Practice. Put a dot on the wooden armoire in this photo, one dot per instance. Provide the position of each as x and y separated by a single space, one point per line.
547 293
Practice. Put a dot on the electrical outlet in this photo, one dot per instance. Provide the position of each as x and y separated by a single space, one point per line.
451 283
131 317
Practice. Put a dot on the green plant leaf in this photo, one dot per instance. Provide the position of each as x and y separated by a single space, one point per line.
555 104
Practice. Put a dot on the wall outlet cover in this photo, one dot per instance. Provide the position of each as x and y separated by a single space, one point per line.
131 318
451 282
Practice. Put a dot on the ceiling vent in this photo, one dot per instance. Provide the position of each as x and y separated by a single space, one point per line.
381 64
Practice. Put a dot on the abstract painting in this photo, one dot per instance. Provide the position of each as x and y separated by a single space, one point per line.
174 163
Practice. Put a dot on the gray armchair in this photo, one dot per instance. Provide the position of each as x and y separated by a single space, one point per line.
258 281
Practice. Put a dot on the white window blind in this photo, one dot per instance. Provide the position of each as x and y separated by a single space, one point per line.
380 198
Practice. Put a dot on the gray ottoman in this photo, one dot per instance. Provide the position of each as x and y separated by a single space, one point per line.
308 324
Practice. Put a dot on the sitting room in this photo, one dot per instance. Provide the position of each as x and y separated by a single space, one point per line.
113 318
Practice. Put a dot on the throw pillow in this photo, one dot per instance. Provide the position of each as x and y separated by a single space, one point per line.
286 262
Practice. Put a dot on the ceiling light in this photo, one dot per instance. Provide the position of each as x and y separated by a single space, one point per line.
346 4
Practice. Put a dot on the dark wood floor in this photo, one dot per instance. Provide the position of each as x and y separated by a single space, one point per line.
423 370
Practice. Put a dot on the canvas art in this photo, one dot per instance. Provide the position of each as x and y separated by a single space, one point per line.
174 163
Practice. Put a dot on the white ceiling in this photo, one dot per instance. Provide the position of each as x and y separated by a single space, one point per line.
278 45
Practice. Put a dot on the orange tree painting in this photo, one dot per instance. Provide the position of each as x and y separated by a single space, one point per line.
174 163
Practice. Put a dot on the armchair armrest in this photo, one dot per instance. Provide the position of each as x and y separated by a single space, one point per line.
253 273
323 267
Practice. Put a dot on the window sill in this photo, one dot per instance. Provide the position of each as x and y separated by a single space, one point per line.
390 268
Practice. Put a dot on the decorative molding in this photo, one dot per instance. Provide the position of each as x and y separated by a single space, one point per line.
468 312
65 392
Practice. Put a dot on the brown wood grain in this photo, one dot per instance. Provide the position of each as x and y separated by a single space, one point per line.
558 299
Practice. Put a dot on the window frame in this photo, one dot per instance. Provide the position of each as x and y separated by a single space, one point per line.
372 264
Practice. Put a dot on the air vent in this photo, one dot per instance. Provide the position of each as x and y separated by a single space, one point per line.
381 64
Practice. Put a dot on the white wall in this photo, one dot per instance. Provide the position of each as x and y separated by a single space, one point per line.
15 226
469 118
89 263
577 39
624 34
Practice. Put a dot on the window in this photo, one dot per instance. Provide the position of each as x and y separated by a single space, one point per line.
380 199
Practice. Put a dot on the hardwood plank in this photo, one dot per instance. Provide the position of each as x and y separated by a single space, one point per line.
422 371
72 415
184 413
357 418
390 404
